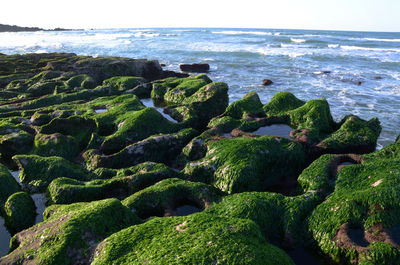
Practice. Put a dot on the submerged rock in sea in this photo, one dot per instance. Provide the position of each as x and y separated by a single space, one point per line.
215 184
196 67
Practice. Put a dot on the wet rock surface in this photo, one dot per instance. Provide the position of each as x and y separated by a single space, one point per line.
115 161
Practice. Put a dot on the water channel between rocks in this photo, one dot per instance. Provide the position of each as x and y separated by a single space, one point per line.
148 102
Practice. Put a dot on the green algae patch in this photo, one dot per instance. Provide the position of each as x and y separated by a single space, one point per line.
114 184
20 212
354 133
37 171
282 102
8 185
69 233
194 239
56 144
249 105
359 220
165 197
124 82
248 164
137 126
161 148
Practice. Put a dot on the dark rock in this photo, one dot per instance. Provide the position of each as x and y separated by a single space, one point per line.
267 82
326 72
168 73
162 64
378 77
196 67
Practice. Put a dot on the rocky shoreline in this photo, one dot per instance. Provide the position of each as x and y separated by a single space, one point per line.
192 180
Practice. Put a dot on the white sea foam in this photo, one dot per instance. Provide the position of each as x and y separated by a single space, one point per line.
145 34
232 32
297 40
386 40
333 46
346 47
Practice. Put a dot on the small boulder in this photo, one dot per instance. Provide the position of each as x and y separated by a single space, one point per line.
267 82
196 67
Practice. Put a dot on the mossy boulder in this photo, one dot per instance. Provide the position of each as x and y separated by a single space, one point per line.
167 196
249 105
124 82
159 148
194 239
37 171
16 142
358 222
124 183
56 144
20 212
248 164
182 88
8 185
69 234
80 81
282 102
137 126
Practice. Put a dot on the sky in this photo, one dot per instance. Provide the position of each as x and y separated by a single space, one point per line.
358 15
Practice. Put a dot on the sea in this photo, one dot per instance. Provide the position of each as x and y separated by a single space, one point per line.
357 72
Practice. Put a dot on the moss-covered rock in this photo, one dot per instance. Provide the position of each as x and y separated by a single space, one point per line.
159 148
137 126
56 144
248 164
8 185
69 234
250 104
16 142
20 212
282 102
167 196
194 239
37 171
124 183
124 82
358 222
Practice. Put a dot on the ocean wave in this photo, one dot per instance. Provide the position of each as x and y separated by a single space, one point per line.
146 34
233 32
346 47
297 40
385 40
333 46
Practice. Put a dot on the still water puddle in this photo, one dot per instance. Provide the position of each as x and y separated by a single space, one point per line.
40 203
148 102
186 210
15 175
4 238
100 110
281 130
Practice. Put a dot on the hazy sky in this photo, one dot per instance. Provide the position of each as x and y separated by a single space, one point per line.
368 15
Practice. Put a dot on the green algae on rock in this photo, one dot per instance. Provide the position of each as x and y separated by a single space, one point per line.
8 185
248 164
163 198
195 239
37 172
20 212
358 222
69 234
119 184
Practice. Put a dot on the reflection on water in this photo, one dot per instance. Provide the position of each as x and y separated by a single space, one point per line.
15 174
186 210
40 203
4 238
281 130
100 110
148 102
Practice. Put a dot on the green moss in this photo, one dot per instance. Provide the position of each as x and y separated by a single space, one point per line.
69 233
354 133
186 88
20 212
16 142
8 185
365 199
124 82
250 104
118 183
250 164
159 148
56 144
37 172
282 102
169 194
81 81
194 239
137 126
